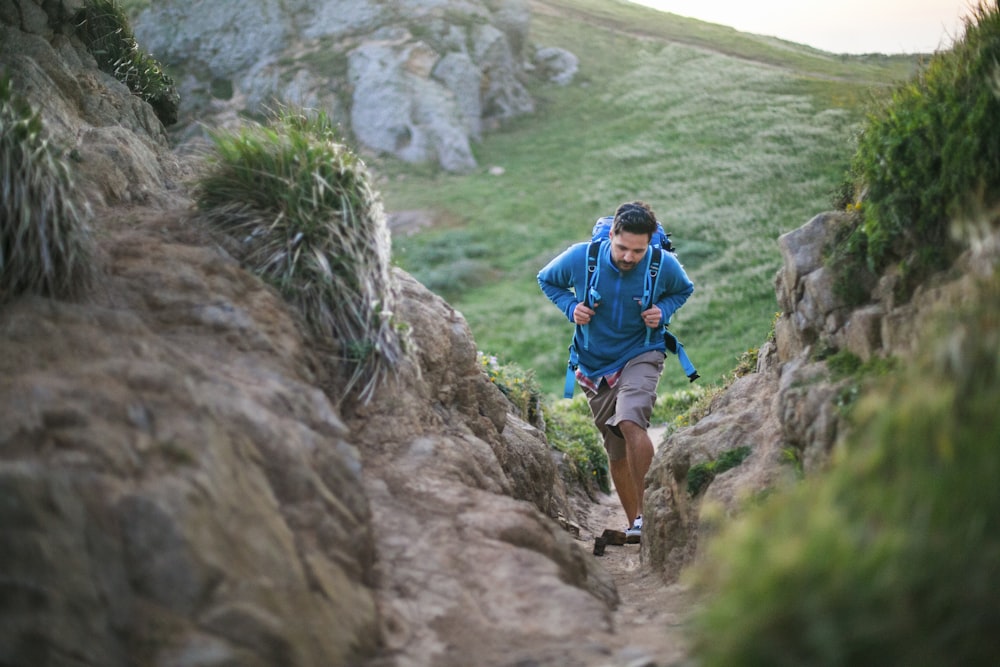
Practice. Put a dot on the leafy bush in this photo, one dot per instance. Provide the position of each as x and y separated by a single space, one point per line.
105 29
301 213
45 246
891 557
570 428
929 154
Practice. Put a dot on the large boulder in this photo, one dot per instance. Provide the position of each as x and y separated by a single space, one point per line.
177 489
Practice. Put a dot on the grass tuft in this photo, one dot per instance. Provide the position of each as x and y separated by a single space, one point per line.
105 29
45 247
300 210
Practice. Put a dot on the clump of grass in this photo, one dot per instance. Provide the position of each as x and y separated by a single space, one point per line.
701 475
105 29
301 212
518 385
568 425
45 247
570 429
890 557
928 154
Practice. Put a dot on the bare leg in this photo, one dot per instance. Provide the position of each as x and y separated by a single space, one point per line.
638 458
621 474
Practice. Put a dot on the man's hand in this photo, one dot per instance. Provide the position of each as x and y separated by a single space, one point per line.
652 317
582 314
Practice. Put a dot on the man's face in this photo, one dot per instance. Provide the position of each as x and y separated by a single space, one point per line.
628 249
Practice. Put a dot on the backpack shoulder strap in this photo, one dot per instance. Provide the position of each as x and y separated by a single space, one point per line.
654 272
593 251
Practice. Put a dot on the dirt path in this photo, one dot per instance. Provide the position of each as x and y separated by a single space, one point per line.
649 622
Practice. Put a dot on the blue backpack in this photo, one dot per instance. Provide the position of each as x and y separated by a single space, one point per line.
659 241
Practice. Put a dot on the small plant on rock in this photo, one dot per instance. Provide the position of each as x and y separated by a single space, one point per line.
299 211
570 429
45 246
105 28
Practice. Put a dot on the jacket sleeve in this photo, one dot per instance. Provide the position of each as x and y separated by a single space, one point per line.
557 281
675 286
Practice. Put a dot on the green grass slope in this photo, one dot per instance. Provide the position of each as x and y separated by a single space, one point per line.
732 138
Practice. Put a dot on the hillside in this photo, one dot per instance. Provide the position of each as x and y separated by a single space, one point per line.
733 139
192 472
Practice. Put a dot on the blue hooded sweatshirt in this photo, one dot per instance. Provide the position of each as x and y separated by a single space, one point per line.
616 332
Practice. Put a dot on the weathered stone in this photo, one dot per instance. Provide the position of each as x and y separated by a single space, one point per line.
556 65
460 75
505 96
802 248
34 19
9 14
398 112
863 332
422 100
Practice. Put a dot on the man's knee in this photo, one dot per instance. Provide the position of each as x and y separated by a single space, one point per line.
629 427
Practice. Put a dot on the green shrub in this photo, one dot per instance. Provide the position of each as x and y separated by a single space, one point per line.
301 213
570 428
670 406
930 153
45 247
105 29
518 385
701 475
891 557
568 425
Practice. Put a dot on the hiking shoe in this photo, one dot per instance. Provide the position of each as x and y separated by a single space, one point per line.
633 534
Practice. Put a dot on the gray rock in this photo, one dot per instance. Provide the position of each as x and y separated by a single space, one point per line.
397 112
460 76
556 65
421 99
217 40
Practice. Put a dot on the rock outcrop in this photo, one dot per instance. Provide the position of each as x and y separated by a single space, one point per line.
179 485
114 136
419 80
788 412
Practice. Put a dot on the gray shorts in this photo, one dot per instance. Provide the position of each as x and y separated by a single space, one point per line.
631 399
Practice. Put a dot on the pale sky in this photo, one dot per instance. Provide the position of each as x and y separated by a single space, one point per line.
844 26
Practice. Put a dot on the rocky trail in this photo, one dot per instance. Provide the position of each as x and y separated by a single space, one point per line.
650 620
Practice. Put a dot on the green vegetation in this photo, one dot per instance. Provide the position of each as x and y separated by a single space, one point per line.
568 424
733 139
701 475
891 557
929 154
569 428
45 247
104 27
300 212
518 385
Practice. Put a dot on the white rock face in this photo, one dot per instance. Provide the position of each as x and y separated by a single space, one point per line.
418 79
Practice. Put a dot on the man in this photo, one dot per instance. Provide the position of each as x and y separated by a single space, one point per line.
619 339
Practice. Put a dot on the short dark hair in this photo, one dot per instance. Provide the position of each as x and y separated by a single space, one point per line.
635 218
